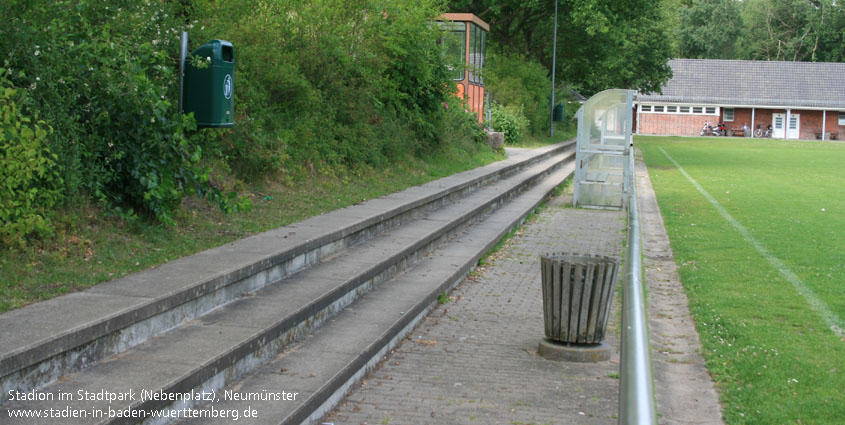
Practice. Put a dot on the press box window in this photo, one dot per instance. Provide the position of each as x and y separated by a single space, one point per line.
477 49
453 41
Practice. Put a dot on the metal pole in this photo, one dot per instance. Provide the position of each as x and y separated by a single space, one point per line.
753 128
636 389
579 140
638 118
824 123
628 181
487 112
554 62
183 53
786 127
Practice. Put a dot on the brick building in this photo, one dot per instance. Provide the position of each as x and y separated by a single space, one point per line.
800 100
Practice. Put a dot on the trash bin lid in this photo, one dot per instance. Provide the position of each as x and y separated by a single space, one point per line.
217 50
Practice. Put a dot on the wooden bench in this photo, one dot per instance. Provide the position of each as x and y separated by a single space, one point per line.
738 132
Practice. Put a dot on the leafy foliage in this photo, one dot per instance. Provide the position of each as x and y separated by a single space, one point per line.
783 30
369 91
460 129
793 30
29 178
103 75
509 120
516 81
709 29
601 44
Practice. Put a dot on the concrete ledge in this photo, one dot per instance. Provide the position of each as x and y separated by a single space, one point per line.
582 353
45 340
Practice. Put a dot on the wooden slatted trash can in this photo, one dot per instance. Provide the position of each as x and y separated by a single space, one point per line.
577 294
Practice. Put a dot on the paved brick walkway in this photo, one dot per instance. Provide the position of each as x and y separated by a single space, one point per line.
474 361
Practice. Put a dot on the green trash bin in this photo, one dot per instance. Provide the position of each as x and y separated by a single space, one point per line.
558 116
210 85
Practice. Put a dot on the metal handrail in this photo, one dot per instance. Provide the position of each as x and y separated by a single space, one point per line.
636 387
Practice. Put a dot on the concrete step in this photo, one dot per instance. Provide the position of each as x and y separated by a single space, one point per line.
211 351
314 374
41 342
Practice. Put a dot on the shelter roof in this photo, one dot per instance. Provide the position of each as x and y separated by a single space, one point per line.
464 17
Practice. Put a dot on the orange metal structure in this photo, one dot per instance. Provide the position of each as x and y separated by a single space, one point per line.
473 55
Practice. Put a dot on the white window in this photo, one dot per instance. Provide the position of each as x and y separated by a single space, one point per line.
729 114
695 110
842 118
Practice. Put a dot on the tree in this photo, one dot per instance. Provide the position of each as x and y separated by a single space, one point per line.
708 29
794 30
601 43
520 83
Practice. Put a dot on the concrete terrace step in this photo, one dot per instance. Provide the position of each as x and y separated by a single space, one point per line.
43 341
210 351
214 350
315 373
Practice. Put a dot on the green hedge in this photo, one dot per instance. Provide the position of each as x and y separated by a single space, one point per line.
321 85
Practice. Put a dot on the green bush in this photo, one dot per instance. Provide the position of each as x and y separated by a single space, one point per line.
515 81
509 120
103 75
460 127
326 83
321 85
29 177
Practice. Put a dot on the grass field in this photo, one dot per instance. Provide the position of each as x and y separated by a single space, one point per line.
758 232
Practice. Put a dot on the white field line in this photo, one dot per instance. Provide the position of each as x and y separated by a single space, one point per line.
815 302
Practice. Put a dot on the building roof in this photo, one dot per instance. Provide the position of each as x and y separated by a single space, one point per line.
754 83
574 95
